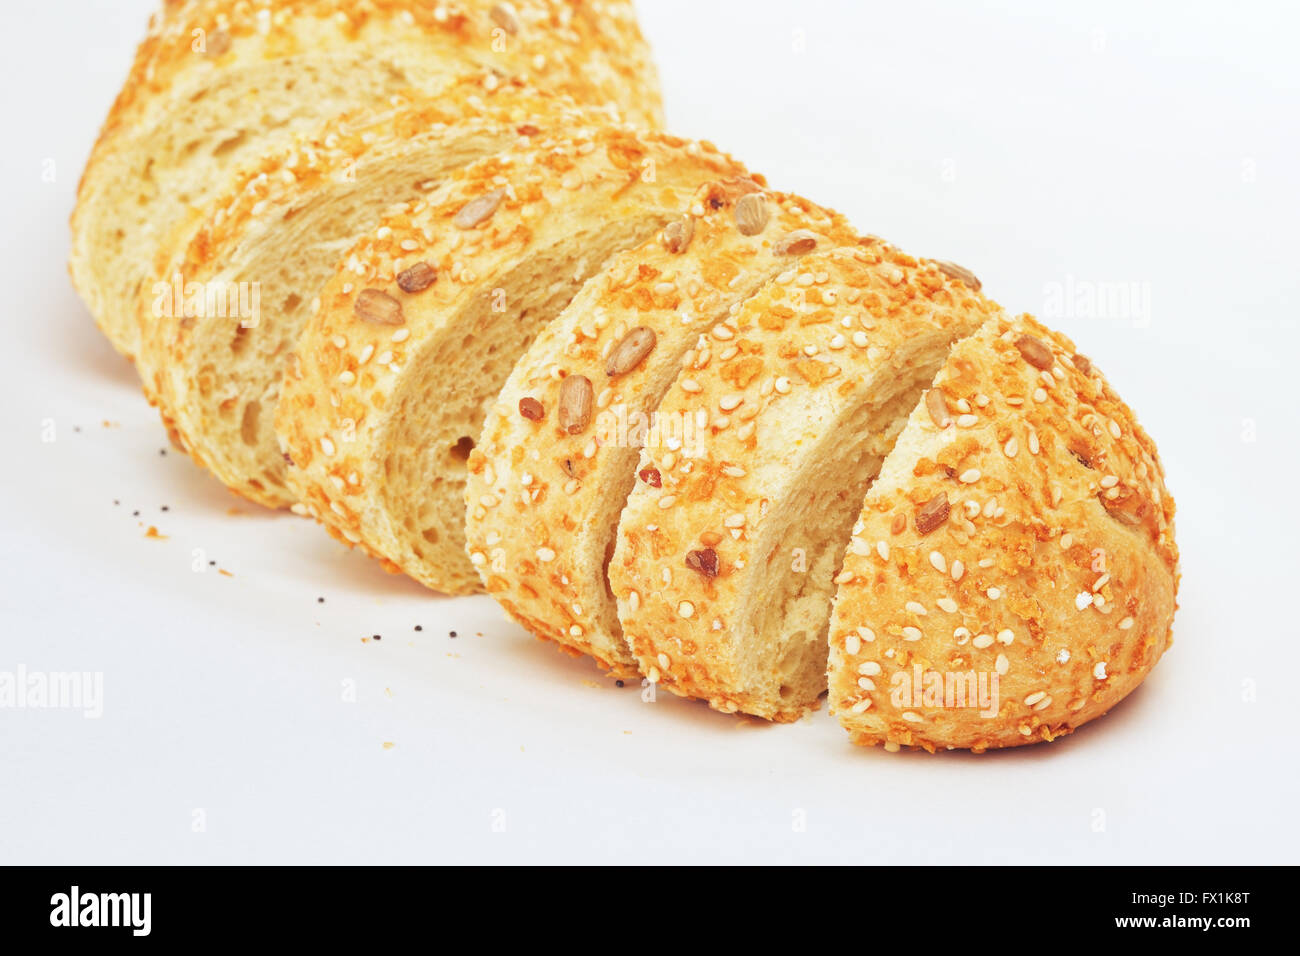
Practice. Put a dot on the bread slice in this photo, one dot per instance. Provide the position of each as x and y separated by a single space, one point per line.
275 236
393 377
220 83
727 549
1013 572
544 500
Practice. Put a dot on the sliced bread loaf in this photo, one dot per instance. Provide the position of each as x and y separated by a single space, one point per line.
727 550
419 329
220 83
1013 572
545 492
258 258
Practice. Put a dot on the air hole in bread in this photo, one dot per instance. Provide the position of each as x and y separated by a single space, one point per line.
464 445
248 423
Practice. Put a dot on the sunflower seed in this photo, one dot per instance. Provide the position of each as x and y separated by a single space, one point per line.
797 243
217 43
575 403
532 409
630 351
651 477
937 406
478 210
677 235
960 274
704 561
504 16
1082 363
751 214
417 278
1035 352
378 308
932 514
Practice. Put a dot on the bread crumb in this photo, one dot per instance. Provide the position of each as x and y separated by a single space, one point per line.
153 533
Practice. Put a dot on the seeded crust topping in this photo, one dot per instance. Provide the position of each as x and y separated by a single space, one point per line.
576 395
378 307
1041 554
630 351
417 278
932 514
478 211
532 409
752 214
954 271
685 285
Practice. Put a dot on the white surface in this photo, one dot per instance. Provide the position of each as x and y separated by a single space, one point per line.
1111 142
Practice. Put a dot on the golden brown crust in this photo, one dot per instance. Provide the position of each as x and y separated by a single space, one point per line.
342 389
590 51
180 362
1054 571
538 495
792 361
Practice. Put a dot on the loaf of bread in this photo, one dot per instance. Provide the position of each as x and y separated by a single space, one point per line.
416 333
545 491
484 322
272 239
1012 574
218 84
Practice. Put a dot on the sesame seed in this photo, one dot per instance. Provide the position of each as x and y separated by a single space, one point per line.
1035 697
730 402
970 476
734 521
983 641
1126 624
967 421
1002 665
938 563
663 661
912 634
686 609
958 569
869 668
860 339
915 607
652 675
1033 443
1006 636
866 683
327 446
994 593
911 716
1011 447
783 385
961 635
861 705
545 554
1063 656
844 577
882 549
667 501
852 644
867 634
1110 481
1099 671
1083 600
947 604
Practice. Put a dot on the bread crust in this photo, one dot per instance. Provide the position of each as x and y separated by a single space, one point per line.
1055 570
542 502
196 369
694 544
591 51
353 385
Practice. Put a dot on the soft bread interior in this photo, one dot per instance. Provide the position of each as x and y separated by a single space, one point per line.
241 367
787 595
439 415
173 166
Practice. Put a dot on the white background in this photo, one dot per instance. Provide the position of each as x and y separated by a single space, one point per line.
1036 144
